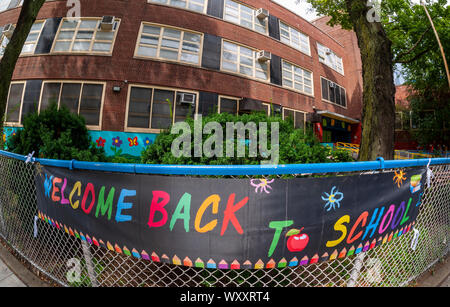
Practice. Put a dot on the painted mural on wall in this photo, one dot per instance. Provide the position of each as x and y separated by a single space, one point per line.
231 223
115 143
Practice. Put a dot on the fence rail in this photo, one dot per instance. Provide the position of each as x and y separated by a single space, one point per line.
56 254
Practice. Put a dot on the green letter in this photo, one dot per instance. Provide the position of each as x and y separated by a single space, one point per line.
184 203
278 226
101 202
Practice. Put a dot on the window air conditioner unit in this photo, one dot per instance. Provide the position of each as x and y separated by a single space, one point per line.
8 30
107 23
262 13
186 98
264 56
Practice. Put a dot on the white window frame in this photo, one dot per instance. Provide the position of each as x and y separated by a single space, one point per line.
238 100
159 47
37 38
19 123
239 17
292 31
91 40
329 101
238 64
153 88
333 60
188 3
82 82
292 78
296 111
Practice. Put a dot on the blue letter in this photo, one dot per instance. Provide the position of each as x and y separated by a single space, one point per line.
373 225
48 185
121 205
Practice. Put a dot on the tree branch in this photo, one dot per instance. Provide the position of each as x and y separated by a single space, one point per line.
417 56
402 54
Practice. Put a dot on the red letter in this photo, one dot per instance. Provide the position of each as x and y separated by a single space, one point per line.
56 189
362 218
89 188
229 214
158 206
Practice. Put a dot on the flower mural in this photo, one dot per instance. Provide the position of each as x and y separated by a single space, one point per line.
333 199
100 142
261 185
147 141
117 142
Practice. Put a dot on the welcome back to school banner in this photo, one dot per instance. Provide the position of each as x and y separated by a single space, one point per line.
231 223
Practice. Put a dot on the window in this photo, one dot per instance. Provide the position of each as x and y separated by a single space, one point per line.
169 44
297 78
83 98
157 108
243 60
329 58
33 38
297 117
84 35
244 16
334 93
193 5
229 105
14 103
294 38
3 43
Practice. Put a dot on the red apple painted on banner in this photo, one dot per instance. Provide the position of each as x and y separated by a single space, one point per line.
297 241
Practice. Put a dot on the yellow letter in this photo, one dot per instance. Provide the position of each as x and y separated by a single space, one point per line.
77 186
339 227
214 200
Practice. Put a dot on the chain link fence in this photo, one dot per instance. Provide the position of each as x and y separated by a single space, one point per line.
69 261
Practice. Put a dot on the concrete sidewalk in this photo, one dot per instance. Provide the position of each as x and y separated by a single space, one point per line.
14 274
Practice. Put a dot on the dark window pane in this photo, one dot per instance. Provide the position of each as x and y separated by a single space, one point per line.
70 96
161 114
332 93
299 120
228 106
289 114
338 95
50 94
14 101
325 89
343 98
139 108
91 101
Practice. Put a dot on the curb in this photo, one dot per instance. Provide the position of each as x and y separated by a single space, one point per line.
19 269
437 276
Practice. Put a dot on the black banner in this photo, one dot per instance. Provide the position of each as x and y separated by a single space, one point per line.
231 223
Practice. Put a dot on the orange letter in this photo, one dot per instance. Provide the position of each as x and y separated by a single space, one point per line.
214 200
363 218
56 189
229 214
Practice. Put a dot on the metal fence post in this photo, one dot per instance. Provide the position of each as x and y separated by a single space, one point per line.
90 266
356 270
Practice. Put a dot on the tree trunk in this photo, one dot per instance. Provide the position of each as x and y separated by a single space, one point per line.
378 120
28 13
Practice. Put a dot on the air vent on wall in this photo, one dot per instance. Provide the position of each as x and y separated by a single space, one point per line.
107 23
264 56
262 13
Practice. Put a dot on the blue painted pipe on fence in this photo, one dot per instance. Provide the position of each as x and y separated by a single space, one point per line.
220 170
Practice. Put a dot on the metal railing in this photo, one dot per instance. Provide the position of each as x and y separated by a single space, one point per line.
55 253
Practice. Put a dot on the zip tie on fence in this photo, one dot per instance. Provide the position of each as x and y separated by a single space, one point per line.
30 158
35 232
429 173
415 239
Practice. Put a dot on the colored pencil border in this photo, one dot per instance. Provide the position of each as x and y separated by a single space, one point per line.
234 265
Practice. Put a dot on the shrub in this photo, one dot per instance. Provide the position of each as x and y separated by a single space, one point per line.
295 145
56 134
